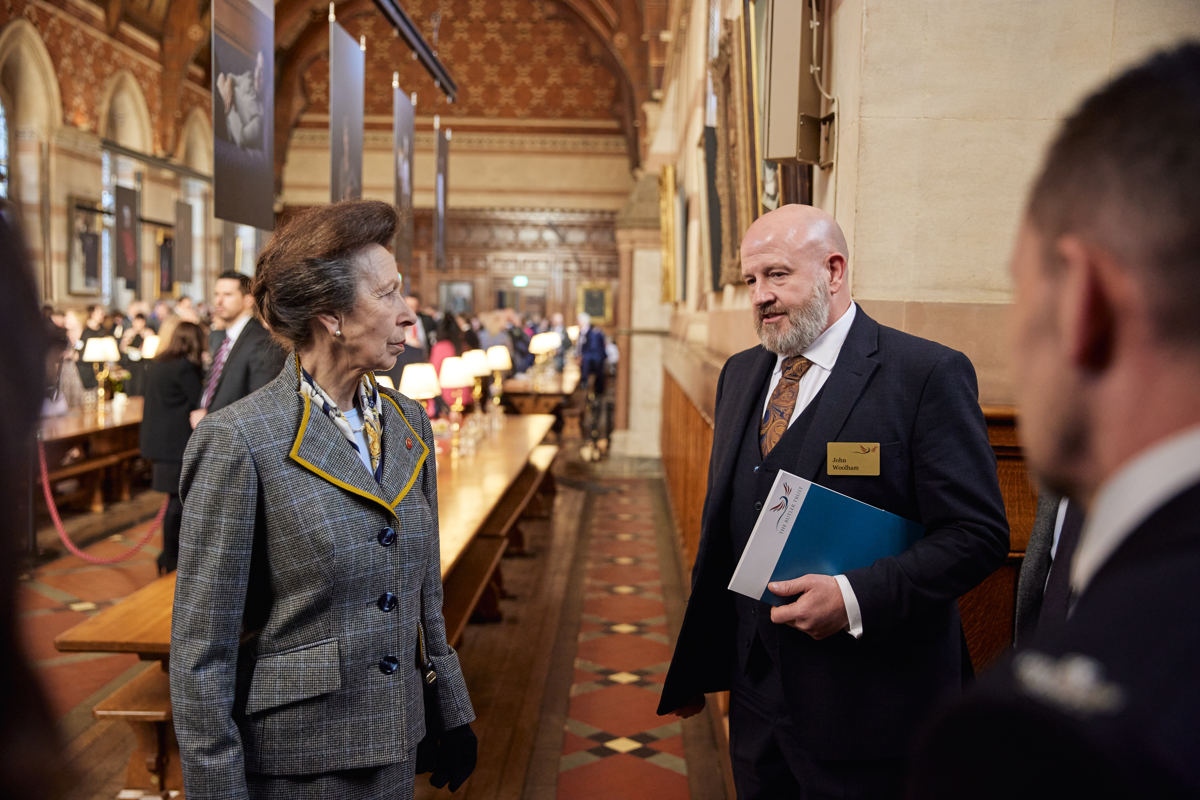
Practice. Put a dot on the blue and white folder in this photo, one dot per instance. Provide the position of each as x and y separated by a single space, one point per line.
804 529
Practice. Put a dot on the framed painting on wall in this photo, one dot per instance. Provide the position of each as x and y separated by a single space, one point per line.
595 300
85 222
456 297
736 182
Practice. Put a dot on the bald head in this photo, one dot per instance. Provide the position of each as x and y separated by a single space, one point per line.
794 262
799 228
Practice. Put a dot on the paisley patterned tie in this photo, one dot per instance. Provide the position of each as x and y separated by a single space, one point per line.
782 403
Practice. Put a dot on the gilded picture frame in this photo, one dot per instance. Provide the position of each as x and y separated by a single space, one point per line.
595 300
736 181
667 231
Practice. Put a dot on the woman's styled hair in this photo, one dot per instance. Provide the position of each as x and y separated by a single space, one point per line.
310 266
188 340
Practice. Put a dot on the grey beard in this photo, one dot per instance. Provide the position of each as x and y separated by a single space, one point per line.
805 324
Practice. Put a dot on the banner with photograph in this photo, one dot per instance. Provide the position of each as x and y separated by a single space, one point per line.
442 140
183 241
243 98
403 128
127 233
347 67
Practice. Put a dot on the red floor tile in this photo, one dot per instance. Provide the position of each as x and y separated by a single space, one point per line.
621 777
619 710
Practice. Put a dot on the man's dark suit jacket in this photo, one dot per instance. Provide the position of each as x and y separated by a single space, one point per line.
860 698
252 363
1107 705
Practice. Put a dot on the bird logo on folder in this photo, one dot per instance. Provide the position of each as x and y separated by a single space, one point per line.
783 499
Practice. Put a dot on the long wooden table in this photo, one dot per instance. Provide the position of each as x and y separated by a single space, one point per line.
86 443
469 487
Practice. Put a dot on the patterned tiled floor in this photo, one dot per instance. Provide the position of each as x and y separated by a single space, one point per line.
614 746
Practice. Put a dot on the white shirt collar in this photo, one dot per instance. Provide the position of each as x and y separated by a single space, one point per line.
239 324
824 351
1130 496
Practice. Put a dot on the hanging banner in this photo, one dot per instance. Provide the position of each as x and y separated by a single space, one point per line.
243 97
347 66
127 235
166 266
442 140
183 241
403 128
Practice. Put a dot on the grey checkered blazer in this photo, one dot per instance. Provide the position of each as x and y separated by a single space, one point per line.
285 659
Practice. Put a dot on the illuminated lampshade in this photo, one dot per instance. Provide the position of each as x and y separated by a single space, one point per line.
385 380
498 358
101 349
545 342
149 346
454 374
477 363
573 333
419 381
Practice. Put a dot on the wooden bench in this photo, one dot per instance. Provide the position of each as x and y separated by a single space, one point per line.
535 479
472 590
145 703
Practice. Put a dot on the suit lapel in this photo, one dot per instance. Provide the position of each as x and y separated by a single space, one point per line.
743 392
855 366
404 452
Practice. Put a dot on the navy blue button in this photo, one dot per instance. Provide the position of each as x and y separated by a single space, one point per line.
387 601
387 537
758 506
389 664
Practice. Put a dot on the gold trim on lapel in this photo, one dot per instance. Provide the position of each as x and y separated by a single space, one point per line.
305 415
420 459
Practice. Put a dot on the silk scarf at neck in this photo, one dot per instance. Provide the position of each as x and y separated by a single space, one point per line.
368 403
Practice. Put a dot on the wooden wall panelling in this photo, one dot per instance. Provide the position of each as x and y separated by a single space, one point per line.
555 250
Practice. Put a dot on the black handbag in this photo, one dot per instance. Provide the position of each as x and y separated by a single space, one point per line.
427 749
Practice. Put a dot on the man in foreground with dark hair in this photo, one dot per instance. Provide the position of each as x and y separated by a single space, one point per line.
1107 366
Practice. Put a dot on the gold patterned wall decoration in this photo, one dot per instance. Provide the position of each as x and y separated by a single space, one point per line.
510 58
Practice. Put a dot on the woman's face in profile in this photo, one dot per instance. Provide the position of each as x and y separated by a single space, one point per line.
373 331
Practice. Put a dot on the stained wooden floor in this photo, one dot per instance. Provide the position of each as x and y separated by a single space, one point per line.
600 581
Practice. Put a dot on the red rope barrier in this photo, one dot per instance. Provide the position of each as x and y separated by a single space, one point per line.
62 534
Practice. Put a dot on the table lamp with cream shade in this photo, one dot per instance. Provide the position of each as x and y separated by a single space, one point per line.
477 364
454 374
420 382
150 345
499 361
542 346
101 352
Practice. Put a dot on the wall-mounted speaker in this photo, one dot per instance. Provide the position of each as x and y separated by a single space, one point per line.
791 102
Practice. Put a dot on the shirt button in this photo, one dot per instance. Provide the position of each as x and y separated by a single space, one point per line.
389 664
387 537
758 506
756 469
387 601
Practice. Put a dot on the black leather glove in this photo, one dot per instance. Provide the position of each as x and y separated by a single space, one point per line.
455 760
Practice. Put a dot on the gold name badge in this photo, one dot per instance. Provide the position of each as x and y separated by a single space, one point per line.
852 458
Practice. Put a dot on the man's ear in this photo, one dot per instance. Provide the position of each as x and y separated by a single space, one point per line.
1087 303
835 263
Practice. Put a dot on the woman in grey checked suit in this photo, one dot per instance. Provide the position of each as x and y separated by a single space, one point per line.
309 551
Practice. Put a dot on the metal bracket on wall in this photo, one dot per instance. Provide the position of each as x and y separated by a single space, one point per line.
828 149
